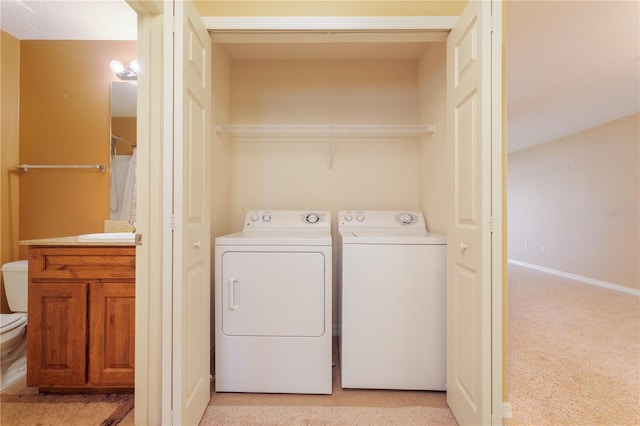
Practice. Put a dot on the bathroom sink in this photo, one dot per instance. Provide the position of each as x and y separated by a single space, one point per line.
108 236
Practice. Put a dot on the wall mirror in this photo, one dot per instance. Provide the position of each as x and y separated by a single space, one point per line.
122 146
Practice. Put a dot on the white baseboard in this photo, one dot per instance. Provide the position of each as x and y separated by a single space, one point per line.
507 412
585 280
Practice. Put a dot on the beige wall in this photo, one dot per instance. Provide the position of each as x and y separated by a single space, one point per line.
433 148
9 182
574 203
64 119
296 174
220 159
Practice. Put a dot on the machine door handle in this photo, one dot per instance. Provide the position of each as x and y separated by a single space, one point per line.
234 294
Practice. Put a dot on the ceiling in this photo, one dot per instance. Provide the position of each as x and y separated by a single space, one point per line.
68 20
571 65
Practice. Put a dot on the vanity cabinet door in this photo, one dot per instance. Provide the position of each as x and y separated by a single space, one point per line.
57 334
112 334
81 333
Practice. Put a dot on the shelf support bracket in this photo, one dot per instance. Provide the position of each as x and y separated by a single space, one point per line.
331 136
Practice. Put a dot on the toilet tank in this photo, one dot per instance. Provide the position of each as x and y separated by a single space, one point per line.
16 284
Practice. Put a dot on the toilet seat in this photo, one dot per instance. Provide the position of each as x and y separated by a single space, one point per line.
9 322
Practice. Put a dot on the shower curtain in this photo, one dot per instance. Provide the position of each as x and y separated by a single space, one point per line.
119 169
129 196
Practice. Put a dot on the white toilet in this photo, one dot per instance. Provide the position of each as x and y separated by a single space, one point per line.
13 327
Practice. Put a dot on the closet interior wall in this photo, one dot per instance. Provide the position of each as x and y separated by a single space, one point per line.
319 173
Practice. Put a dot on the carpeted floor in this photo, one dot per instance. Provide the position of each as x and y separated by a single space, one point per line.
64 410
318 415
574 352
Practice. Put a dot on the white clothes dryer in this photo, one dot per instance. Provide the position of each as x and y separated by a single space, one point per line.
273 304
392 301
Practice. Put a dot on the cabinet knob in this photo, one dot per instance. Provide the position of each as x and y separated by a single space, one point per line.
463 246
197 244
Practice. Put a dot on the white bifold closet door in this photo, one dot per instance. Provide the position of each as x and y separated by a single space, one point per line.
191 286
470 393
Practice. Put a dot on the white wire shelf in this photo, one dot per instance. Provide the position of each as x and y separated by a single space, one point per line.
326 130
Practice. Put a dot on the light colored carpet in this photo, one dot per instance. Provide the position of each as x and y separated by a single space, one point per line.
574 352
318 415
64 410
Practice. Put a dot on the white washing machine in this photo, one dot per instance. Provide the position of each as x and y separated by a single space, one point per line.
392 301
273 304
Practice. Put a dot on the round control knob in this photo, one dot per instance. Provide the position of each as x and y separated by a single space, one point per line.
348 217
360 217
407 219
312 218
254 217
266 218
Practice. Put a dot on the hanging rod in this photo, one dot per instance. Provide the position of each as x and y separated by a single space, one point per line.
26 167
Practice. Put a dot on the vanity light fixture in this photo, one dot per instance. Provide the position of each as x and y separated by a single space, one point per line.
125 72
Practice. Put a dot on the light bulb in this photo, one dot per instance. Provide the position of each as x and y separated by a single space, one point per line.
134 66
117 67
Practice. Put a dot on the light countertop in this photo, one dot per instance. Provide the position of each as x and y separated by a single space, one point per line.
74 241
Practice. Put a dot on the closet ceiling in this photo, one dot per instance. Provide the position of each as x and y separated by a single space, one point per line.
293 45
571 65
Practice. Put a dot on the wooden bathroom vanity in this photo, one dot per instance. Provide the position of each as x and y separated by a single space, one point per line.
81 332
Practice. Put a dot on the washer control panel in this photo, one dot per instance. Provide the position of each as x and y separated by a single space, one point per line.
284 219
380 219
353 216
406 218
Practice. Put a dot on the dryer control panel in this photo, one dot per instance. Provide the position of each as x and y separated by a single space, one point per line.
287 219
